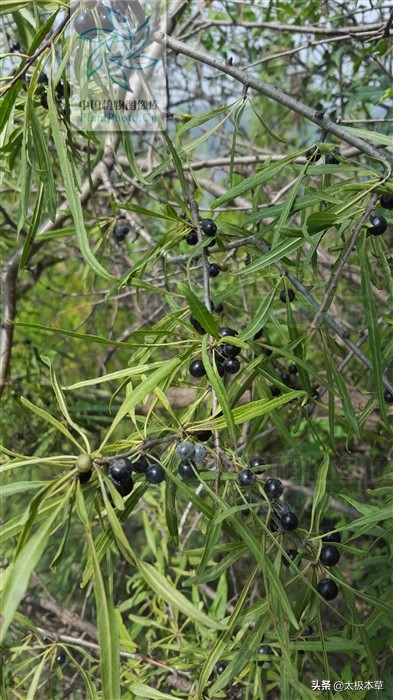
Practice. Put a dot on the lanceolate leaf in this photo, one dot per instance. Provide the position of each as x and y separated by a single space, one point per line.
73 196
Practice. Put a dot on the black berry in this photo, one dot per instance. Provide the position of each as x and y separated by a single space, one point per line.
327 588
198 327
292 369
246 477
287 295
203 435
386 201
330 158
275 391
120 469
84 477
186 470
332 537
120 231
60 658
388 396
308 631
313 154
200 453
141 464
105 19
272 525
185 450
258 334
85 26
289 521
264 650
378 225
192 238
230 350
219 308
124 487
329 555
197 369
220 668
256 462
155 474
292 554
224 331
209 228
232 365
214 270
273 488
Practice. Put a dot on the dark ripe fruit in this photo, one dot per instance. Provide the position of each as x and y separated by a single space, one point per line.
84 463
224 331
230 350
124 487
378 225
155 474
264 650
292 369
141 464
308 631
219 308
120 469
292 554
246 477
287 295
327 588
289 521
220 368
84 477
199 453
273 488
185 450
256 462
120 231
85 26
209 228
196 369
313 154
203 435
232 365
220 668
388 396
105 20
386 201
258 334
275 391
195 324
329 555
192 238
186 470
44 100
330 158
214 270
333 537
285 377
60 658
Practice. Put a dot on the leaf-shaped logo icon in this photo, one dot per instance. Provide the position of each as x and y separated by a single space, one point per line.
94 62
117 73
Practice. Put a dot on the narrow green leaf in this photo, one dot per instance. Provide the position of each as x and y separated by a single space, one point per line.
44 162
249 183
199 310
220 390
50 419
33 228
280 251
141 690
374 339
241 414
372 136
108 634
17 576
170 510
140 393
73 196
167 591
320 487
265 127
260 316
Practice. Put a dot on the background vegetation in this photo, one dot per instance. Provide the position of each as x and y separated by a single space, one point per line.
142 596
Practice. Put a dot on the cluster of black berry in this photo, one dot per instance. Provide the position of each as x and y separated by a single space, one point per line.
95 16
121 468
121 230
224 355
191 455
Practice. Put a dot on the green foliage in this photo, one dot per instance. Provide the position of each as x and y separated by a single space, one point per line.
107 594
